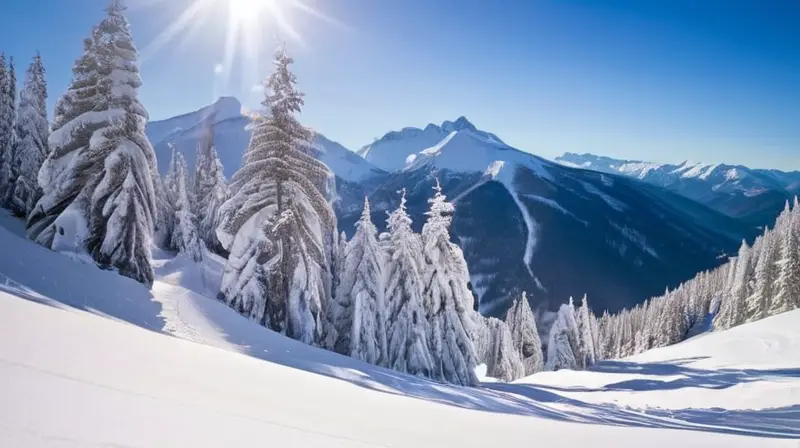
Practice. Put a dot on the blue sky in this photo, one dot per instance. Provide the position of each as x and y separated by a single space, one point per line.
706 80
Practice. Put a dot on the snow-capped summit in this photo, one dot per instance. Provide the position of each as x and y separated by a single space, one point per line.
397 149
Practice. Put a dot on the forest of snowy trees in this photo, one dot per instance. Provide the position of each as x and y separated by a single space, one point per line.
761 281
88 184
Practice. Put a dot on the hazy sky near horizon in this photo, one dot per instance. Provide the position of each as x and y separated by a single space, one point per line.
710 80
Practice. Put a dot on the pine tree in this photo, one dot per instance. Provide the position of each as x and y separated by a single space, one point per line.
495 348
7 130
278 219
525 334
184 236
211 190
165 214
361 320
97 181
448 300
33 130
766 273
587 344
562 348
787 284
407 332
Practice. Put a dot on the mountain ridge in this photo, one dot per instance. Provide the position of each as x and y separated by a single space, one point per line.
755 196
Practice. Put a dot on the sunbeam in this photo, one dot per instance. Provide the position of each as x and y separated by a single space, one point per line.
247 24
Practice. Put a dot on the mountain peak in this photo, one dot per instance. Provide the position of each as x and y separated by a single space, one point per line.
460 124
225 107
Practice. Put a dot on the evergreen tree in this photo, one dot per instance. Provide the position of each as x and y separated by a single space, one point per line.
184 236
498 351
407 331
165 214
211 190
587 345
787 284
448 301
766 274
98 179
7 131
523 329
361 320
562 348
278 219
33 130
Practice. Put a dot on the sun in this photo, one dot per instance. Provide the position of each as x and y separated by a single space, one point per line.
240 10
248 26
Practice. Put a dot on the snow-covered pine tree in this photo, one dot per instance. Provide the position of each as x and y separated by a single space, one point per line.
496 348
407 332
165 213
787 283
734 308
97 180
562 348
33 131
210 187
766 273
448 300
8 103
522 324
361 319
184 236
587 345
277 219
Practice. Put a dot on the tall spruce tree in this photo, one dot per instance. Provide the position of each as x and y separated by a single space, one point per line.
7 131
98 179
563 347
33 130
522 323
787 283
361 319
184 236
277 221
448 300
407 333
210 188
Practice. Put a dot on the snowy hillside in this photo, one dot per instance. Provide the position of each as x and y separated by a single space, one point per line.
231 137
754 195
78 367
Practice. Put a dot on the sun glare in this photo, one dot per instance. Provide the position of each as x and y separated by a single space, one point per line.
249 26
242 9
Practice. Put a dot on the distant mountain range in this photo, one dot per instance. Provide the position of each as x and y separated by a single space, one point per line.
524 223
755 196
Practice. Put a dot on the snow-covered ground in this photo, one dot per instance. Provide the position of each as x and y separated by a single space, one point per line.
174 367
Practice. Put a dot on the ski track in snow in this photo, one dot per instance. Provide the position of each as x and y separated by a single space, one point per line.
71 377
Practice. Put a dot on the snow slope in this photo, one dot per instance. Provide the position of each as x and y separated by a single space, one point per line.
205 376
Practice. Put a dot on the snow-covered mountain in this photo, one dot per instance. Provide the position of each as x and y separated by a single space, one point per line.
398 149
231 137
118 364
754 195
524 223
529 224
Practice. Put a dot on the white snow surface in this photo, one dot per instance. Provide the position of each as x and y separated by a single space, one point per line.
90 358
